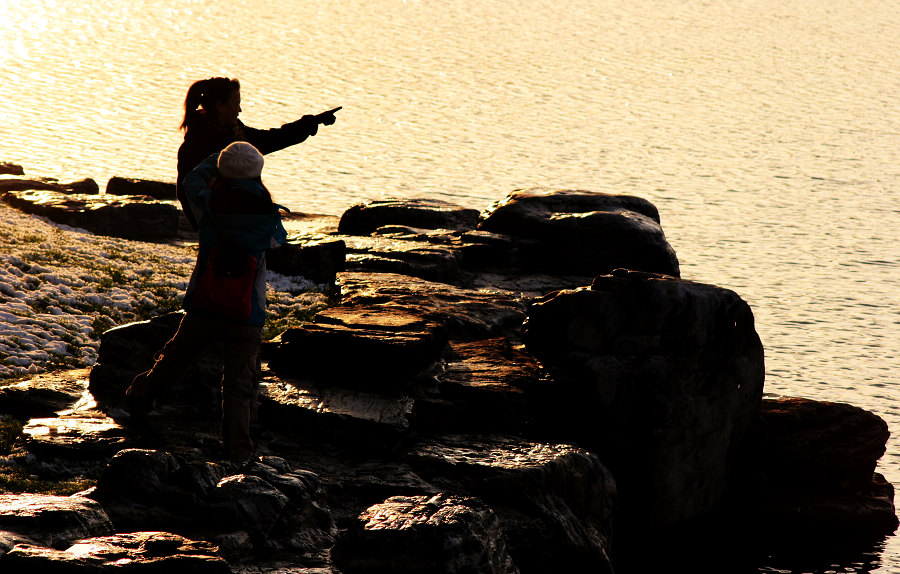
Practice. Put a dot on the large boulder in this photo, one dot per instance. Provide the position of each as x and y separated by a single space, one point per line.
582 232
661 377
129 217
440 534
816 468
364 218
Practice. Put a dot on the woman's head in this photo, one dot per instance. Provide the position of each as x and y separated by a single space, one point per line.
219 99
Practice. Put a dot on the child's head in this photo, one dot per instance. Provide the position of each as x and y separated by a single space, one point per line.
240 160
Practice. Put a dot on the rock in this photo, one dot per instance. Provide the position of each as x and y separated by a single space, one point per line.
420 259
318 259
265 502
54 521
8 540
421 534
129 349
555 502
300 404
9 168
388 346
128 217
146 552
44 394
154 189
481 387
83 186
79 435
816 465
661 377
832 445
582 232
465 313
365 218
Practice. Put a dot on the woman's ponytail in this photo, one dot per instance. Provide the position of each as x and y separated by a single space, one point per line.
202 97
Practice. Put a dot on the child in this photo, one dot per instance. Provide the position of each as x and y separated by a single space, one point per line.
226 297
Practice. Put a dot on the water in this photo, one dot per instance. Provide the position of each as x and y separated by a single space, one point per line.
766 132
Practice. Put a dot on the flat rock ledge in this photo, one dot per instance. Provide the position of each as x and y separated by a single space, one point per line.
476 401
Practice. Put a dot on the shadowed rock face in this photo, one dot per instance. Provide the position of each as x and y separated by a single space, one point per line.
422 534
662 377
316 258
816 464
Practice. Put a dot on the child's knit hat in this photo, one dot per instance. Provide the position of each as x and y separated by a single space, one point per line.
240 160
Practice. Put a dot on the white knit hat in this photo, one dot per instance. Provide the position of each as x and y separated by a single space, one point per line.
240 160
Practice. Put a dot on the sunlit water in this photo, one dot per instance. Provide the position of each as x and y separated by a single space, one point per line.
766 132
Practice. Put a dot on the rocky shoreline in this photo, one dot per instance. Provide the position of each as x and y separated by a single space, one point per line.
529 388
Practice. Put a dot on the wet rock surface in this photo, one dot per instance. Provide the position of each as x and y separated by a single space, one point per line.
152 552
44 395
502 416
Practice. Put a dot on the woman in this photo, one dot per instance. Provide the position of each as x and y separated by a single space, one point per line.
211 110
226 297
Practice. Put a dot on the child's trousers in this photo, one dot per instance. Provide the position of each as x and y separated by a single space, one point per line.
240 344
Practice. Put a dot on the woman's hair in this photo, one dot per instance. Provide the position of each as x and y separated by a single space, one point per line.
203 96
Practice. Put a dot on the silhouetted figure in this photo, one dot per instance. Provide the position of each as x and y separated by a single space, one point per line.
226 296
211 110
